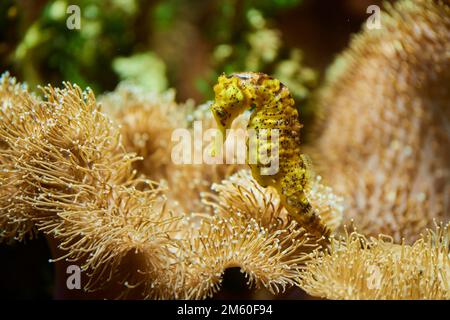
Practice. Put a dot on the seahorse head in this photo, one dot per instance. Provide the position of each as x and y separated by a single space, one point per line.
230 100
234 94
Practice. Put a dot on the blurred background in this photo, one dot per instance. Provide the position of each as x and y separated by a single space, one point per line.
157 45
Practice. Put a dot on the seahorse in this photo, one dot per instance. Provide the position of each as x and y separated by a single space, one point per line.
272 107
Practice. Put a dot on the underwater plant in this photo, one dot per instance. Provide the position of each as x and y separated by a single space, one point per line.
44 50
262 49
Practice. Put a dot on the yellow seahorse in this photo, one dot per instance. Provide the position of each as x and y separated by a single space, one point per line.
272 108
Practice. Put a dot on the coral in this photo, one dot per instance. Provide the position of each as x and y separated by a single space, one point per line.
385 141
242 210
361 268
242 194
147 122
250 229
65 172
16 215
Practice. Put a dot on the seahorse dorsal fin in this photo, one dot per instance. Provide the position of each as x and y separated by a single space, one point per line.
310 173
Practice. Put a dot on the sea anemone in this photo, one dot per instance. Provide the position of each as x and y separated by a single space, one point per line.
65 172
147 122
377 268
250 229
68 174
385 142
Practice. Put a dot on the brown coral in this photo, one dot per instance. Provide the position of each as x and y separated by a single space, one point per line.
385 143
63 160
65 171
361 268
16 218
251 230
147 123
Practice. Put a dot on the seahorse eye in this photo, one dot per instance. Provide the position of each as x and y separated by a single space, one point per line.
220 112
